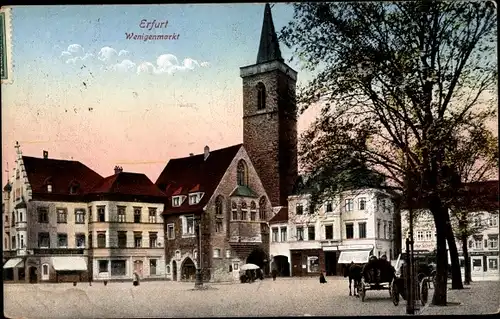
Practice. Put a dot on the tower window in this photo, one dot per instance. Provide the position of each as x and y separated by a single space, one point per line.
242 173
261 96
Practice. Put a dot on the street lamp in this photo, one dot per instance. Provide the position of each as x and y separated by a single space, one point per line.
199 280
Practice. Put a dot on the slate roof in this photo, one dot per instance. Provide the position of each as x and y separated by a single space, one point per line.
62 174
185 175
127 184
244 191
280 217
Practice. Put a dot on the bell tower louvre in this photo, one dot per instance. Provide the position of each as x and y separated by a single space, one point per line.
270 116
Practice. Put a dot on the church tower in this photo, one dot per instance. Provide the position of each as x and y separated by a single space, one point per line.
270 116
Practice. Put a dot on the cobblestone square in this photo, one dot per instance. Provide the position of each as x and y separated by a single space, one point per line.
283 297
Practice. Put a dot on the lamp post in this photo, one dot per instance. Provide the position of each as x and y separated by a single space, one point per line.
199 279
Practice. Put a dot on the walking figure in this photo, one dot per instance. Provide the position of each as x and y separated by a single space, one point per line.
322 279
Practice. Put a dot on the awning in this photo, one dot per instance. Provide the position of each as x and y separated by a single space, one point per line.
12 263
69 263
356 256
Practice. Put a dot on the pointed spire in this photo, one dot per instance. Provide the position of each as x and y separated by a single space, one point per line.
269 48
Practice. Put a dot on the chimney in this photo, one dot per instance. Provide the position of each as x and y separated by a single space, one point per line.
118 169
45 154
206 152
191 154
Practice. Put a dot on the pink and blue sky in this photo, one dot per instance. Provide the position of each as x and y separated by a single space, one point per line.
81 90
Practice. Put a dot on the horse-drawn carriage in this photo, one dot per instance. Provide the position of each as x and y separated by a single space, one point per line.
424 275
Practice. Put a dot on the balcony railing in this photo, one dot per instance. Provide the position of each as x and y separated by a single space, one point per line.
58 251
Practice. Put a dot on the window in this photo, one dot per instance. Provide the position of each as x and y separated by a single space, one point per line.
73 189
21 219
118 268
378 228
275 234
152 267
137 239
362 230
389 225
253 211
234 211
329 207
420 235
471 244
121 214
79 216
170 231
283 234
385 229
493 221
300 233
177 254
228 253
384 205
80 240
311 233
49 188
262 208
244 209
261 96
312 264
242 173
168 269
62 216
90 241
101 213
176 201
216 253
43 215
14 242
493 241
152 215
349 231
43 240
21 242
62 240
328 231
299 210
45 269
493 264
219 205
478 240
477 222
349 205
428 233
193 199
103 266
362 203
189 225
219 227
101 240
153 240
137 214
122 239
13 219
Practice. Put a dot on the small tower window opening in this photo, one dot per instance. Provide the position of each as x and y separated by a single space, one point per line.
242 173
262 209
219 205
261 96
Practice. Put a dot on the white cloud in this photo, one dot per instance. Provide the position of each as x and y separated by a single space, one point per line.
124 66
75 50
65 55
108 55
169 64
123 53
204 64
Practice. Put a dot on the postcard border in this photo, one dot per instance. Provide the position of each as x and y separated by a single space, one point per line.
8 43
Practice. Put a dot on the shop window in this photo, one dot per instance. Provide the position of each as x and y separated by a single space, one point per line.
103 266
118 268
312 264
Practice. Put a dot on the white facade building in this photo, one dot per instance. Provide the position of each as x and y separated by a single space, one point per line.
358 223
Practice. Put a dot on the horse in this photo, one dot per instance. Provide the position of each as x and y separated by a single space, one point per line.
354 272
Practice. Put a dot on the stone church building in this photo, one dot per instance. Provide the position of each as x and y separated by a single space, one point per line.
233 192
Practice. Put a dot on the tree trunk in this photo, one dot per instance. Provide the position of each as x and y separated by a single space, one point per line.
441 283
456 274
467 270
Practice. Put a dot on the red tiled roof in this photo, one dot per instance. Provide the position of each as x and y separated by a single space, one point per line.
61 173
126 183
183 175
280 217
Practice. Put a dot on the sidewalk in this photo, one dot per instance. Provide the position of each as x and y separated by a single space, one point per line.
478 298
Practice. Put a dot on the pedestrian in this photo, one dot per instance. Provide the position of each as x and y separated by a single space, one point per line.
322 279
136 279
274 273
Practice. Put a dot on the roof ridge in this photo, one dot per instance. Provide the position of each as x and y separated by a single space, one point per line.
211 151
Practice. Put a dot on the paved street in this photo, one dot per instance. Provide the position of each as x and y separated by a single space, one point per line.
284 297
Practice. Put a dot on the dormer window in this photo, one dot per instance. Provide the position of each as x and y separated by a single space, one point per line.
73 189
49 188
177 200
48 184
193 199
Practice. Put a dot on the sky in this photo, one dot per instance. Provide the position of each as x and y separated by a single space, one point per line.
81 90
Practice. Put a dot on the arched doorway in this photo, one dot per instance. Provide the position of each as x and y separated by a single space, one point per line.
174 270
188 270
282 265
33 276
259 257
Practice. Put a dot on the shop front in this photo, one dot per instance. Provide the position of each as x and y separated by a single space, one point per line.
307 262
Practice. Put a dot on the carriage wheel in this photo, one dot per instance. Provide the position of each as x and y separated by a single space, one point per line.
394 293
424 291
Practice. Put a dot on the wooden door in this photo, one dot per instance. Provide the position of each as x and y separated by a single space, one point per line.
296 264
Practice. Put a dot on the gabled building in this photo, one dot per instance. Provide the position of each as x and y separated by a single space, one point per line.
481 201
221 191
349 227
125 227
47 237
